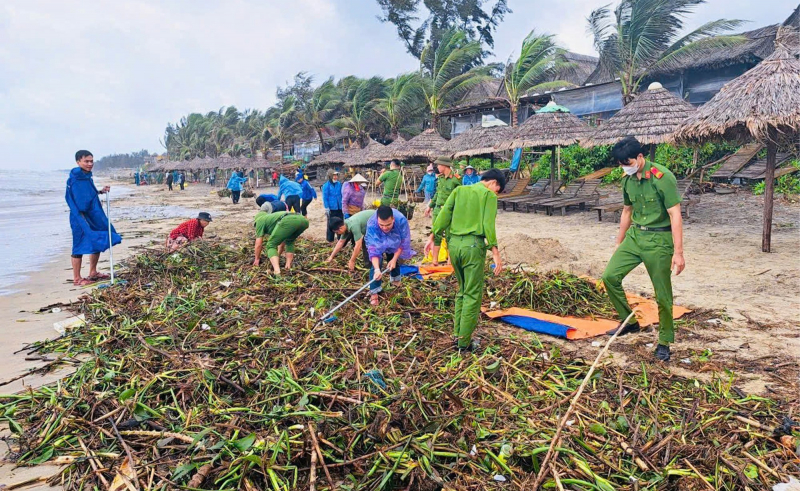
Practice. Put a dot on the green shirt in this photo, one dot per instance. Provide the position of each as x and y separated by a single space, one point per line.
391 184
444 186
651 196
357 224
265 222
470 210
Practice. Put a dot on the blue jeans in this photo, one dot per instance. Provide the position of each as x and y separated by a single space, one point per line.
428 196
375 286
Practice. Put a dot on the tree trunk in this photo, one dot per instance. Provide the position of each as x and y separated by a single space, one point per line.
514 115
435 121
769 186
321 141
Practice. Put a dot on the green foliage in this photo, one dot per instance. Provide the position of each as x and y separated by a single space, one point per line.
576 161
614 176
786 184
679 159
128 160
416 29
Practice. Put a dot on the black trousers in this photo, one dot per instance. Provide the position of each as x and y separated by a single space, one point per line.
169 185
293 203
235 196
181 185
304 206
330 235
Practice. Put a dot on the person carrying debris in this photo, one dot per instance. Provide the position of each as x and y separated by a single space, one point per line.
283 228
392 182
235 186
445 185
388 237
187 232
468 216
470 176
650 232
290 191
353 228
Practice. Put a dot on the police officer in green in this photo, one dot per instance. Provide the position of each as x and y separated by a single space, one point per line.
392 182
283 228
445 184
650 232
469 218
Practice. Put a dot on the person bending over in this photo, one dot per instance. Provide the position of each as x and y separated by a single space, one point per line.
388 238
283 228
187 232
353 228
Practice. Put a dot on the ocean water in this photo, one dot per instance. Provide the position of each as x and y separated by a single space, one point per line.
34 223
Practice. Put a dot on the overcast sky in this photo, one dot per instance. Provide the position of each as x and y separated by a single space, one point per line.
107 75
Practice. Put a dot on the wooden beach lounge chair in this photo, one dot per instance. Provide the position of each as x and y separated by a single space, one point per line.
570 191
514 187
536 190
588 193
684 186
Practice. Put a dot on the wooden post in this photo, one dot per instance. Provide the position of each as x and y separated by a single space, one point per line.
653 152
769 185
558 160
553 172
492 160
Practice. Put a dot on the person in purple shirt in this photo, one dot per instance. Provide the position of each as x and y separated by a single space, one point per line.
388 238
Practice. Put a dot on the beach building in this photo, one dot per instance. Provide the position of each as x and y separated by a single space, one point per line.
597 94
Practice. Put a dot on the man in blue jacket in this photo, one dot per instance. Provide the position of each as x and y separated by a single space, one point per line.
332 200
428 185
86 218
309 194
235 185
290 192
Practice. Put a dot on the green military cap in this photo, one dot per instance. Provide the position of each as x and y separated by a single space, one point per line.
444 161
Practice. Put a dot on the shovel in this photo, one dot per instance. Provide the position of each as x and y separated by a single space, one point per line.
326 317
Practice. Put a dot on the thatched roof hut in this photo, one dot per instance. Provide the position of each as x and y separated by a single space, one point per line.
428 145
551 126
366 155
478 141
652 118
763 103
383 153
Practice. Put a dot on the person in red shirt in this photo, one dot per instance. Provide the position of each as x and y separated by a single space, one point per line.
187 231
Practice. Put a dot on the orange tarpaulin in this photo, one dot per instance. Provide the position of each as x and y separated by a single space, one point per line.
582 328
435 272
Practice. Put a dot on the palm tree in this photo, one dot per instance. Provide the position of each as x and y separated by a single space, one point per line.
539 60
283 125
402 99
644 36
358 108
318 113
445 71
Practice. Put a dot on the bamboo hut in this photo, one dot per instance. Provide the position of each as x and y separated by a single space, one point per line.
365 156
478 141
761 104
551 126
427 145
652 118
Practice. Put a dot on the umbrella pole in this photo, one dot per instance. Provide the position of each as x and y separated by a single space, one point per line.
110 241
553 172
769 187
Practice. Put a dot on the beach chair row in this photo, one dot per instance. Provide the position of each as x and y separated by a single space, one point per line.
580 193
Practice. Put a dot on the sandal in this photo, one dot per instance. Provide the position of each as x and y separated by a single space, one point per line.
373 300
83 282
99 277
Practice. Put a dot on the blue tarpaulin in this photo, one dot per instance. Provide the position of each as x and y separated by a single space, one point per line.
516 159
536 325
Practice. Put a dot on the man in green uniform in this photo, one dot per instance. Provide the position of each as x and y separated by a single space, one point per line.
391 180
469 217
283 229
445 184
353 228
650 232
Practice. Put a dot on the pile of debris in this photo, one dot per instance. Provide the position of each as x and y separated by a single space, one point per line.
206 373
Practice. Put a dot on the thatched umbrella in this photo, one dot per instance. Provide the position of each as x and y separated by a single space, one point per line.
478 141
764 104
652 118
366 155
551 126
385 152
428 145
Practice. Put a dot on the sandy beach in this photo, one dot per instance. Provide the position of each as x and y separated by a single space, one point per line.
747 299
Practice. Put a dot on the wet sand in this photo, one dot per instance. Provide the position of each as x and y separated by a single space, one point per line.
753 295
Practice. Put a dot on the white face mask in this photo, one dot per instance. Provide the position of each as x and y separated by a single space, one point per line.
630 169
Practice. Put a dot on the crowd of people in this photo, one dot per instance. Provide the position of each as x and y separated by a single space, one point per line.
463 211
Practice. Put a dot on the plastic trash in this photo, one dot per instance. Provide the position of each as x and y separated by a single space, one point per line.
376 377
71 323
499 478
330 319
792 485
